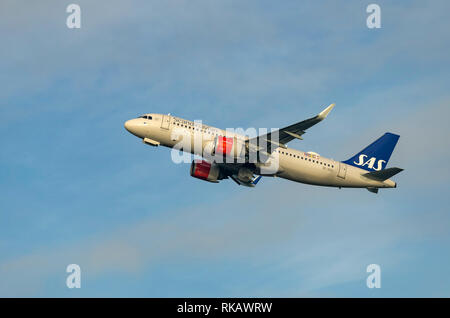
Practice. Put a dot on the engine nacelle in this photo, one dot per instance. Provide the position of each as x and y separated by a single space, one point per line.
204 170
229 147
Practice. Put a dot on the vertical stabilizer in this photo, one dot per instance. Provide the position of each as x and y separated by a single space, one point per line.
375 156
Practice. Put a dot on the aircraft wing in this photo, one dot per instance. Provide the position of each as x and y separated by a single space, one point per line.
281 137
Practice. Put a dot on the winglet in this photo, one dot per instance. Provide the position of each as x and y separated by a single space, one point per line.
255 181
324 113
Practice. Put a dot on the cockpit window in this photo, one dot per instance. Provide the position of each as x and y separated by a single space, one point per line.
146 117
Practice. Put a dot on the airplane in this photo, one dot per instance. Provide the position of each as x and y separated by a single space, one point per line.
246 159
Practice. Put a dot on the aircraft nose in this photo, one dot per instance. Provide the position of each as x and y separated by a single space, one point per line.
127 125
134 127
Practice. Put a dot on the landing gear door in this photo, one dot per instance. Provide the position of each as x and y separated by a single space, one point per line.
342 170
165 121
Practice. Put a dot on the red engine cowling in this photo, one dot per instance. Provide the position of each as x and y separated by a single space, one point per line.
229 146
204 170
224 145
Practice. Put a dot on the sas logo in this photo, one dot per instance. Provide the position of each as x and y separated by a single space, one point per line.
370 163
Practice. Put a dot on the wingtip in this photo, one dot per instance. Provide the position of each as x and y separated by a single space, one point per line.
256 180
324 113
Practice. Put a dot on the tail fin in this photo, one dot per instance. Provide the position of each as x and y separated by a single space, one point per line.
375 156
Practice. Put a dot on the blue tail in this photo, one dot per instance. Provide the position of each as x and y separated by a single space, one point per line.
375 156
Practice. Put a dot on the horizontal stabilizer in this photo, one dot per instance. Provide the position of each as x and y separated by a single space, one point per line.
383 174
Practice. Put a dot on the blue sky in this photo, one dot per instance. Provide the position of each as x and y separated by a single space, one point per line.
77 188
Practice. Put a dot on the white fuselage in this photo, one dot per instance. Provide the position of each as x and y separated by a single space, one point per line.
293 164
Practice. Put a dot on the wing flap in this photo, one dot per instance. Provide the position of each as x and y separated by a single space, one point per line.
295 135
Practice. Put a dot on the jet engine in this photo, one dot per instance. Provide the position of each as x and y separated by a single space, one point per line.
204 170
230 147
